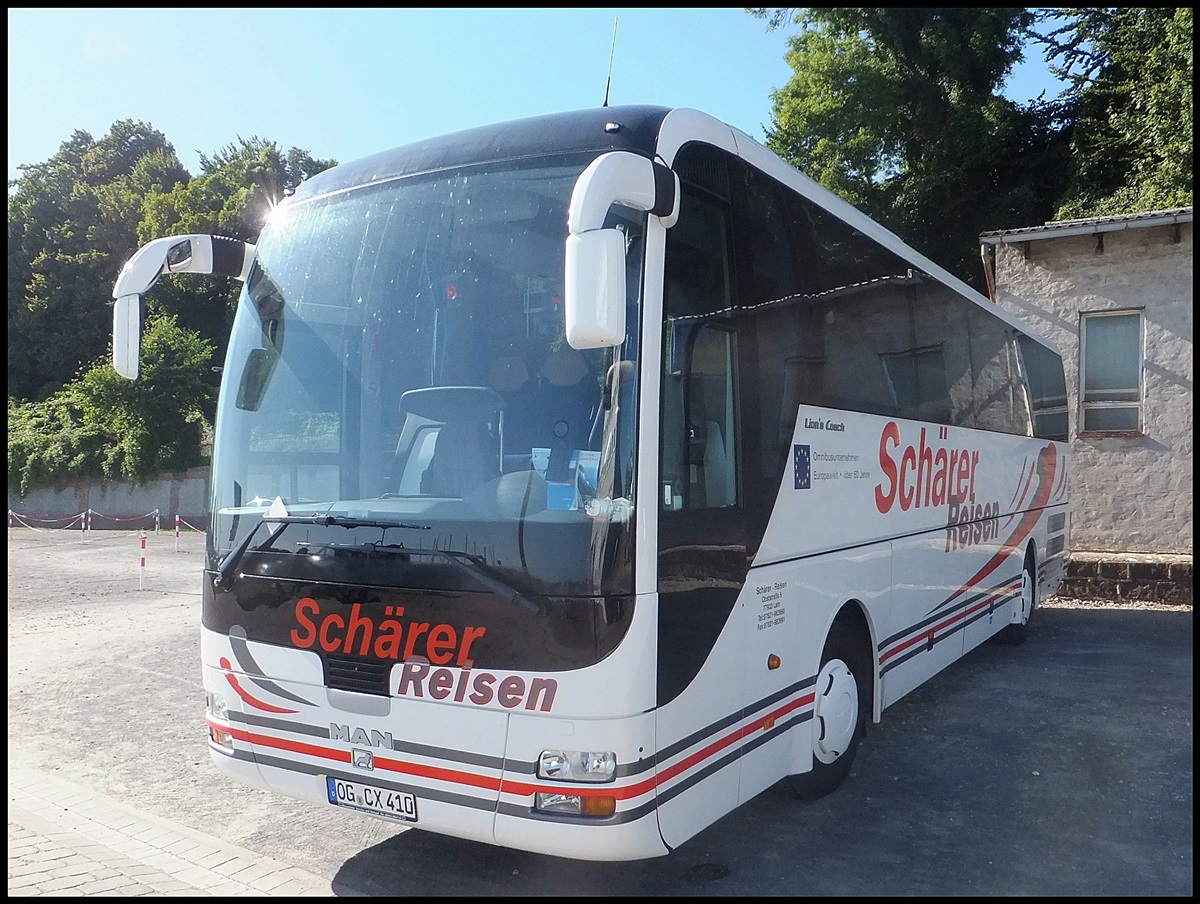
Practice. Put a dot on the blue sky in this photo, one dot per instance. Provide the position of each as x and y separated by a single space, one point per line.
345 83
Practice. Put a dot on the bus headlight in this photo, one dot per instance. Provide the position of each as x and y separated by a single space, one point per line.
590 766
214 705
577 766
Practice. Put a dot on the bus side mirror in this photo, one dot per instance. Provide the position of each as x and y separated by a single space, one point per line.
594 288
127 335
173 254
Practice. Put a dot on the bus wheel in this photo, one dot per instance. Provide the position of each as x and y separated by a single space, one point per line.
1016 632
841 701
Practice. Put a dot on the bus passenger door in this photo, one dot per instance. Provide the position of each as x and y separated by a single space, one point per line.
702 563
702 571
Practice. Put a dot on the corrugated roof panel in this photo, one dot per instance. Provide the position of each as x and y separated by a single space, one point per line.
1090 226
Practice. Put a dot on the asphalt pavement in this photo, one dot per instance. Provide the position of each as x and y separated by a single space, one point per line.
1060 767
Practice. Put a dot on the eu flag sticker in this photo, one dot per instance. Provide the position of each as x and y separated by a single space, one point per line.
801 467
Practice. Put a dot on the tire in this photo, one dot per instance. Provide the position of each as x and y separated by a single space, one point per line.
842 701
1016 633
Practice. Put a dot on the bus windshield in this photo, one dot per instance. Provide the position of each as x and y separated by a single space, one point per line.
398 357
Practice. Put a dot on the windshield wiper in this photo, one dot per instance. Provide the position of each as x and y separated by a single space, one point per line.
480 573
341 521
225 570
464 562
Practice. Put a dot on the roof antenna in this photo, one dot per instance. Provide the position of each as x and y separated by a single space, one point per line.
608 82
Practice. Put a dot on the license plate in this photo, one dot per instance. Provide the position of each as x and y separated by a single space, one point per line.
380 801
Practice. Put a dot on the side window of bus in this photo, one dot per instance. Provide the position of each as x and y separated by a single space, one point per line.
1047 384
917 380
699 465
779 359
1000 402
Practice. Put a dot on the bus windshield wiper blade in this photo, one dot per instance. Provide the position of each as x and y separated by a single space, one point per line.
225 570
225 567
464 562
480 573
342 521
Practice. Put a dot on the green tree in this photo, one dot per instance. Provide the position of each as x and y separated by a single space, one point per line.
1130 97
899 111
105 425
233 194
47 441
157 421
72 223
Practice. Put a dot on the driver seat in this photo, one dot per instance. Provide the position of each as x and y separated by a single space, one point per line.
465 456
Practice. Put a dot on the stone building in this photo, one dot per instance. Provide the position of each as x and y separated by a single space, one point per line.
1115 294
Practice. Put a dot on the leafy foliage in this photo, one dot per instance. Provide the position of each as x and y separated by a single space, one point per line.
73 221
48 441
236 189
104 425
899 111
1131 73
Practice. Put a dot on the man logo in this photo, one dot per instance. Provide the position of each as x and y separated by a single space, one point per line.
362 759
350 735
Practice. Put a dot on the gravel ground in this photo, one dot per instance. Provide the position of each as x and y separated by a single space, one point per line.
1056 602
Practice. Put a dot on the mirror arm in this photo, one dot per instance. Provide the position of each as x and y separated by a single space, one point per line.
218 255
620 177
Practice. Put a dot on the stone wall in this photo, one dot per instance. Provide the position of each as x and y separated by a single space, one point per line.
1128 578
120 503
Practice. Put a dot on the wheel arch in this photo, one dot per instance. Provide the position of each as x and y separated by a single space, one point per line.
1033 555
850 625
855 616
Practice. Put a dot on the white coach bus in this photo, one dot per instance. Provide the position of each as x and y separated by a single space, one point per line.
577 479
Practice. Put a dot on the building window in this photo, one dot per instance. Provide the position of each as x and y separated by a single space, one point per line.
1111 368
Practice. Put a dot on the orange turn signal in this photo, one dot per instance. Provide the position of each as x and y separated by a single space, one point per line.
598 806
773 662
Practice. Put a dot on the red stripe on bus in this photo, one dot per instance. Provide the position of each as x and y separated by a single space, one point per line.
624 792
341 756
245 695
439 773
523 788
924 635
687 763
1028 481
920 638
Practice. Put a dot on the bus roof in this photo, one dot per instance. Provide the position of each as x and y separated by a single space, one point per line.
557 133
635 128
